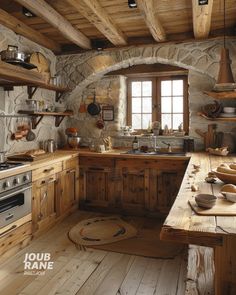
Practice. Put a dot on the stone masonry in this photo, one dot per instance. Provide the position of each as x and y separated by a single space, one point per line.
200 58
12 101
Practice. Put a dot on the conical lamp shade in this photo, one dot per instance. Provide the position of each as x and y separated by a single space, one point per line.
225 75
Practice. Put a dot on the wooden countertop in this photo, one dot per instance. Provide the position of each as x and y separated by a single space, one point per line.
120 153
182 224
59 155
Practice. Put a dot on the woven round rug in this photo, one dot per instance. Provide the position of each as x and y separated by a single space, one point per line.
100 231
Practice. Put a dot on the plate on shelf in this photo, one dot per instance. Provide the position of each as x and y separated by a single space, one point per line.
224 115
224 87
21 63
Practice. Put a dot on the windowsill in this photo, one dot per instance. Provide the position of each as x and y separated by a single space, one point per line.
157 136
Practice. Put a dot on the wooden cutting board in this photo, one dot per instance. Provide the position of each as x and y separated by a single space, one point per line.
221 208
28 158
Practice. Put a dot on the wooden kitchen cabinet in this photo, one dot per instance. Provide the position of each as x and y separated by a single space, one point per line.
66 191
55 195
163 189
130 185
96 182
44 203
134 194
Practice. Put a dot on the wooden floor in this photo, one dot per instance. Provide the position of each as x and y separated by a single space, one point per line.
92 271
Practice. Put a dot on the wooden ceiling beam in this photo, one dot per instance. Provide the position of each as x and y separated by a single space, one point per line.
20 28
147 8
201 19
50 15
95 13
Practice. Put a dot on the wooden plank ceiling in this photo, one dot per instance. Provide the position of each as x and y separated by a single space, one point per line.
75 25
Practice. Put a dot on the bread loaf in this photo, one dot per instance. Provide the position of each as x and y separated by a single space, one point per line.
233 166
230 188
224 165
226 170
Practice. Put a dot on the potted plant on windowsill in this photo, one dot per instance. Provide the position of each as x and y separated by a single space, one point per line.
156 126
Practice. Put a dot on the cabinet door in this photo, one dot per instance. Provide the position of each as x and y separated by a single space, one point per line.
135 190
94 183
164 187
43 203
66 191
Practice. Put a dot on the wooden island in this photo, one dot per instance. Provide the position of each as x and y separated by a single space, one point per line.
219 232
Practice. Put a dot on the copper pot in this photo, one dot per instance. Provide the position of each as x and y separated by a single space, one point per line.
100 124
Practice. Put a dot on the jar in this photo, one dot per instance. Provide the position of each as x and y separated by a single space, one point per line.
32 105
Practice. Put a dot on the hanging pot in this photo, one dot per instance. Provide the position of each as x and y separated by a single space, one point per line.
94 108
100 124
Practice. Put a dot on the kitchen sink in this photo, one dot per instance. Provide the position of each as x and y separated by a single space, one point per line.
158 153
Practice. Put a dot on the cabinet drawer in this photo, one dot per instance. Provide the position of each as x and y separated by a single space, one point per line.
71 164
96 162
45 181
46 171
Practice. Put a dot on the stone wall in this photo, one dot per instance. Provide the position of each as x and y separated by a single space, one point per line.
110 90
200 58
12 101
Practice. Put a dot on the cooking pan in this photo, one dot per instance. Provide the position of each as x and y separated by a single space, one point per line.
94 108
12 53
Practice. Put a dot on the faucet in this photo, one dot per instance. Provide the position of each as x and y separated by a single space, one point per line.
169 146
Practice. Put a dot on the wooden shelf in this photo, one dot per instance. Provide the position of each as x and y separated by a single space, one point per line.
232 119
38 116
221 95
11 76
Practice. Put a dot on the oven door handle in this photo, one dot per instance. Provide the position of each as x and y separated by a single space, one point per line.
16 192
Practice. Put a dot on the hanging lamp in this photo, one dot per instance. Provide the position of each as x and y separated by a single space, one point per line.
225 79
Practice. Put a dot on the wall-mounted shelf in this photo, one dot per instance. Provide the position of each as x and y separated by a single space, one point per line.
58 89
221 95
229 119
11 76
38 116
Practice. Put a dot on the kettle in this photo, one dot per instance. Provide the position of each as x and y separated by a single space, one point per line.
50 146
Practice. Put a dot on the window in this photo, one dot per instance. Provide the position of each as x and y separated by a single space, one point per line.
161 99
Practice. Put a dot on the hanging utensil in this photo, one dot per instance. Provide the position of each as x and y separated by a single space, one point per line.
94 108
2 157
30 135
100 123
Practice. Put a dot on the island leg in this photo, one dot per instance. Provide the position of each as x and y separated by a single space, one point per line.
225 266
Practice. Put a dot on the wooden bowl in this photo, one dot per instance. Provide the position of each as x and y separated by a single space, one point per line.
205 200
226 178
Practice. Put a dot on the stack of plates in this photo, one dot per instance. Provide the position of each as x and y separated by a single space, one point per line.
226 115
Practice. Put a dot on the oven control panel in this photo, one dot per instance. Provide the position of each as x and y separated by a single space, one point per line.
15 181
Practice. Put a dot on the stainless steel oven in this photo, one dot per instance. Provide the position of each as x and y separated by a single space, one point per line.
15 198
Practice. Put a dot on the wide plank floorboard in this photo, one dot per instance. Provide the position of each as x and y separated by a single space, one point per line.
90 272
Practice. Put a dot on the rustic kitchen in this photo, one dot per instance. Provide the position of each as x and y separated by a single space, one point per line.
117 147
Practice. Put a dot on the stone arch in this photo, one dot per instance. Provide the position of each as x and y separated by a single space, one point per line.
87 68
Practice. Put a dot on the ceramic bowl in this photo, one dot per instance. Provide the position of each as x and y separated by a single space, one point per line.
229 110
230 196
205 200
